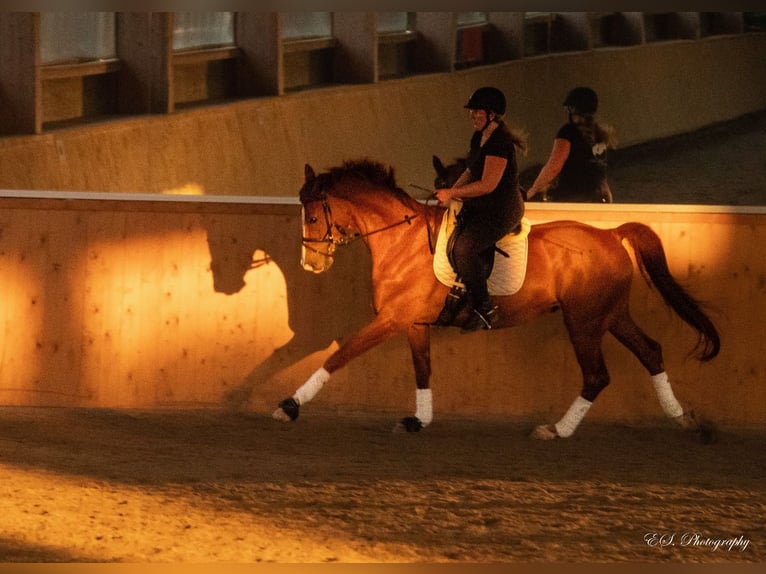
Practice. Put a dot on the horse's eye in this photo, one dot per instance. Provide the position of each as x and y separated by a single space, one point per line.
312 220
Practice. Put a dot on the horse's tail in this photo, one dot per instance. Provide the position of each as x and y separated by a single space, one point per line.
650 256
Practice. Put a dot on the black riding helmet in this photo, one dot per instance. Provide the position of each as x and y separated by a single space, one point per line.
489 99
582 100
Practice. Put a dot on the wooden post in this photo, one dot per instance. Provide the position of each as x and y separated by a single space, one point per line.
145 46
356 58
260 68
20 83
506 36
436 42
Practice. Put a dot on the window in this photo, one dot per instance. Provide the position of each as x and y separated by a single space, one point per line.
76 36
754 21
202 29
308 49
471 19
718 23
471 29
301 25
537 33
392 22
78 51
204 57
396 43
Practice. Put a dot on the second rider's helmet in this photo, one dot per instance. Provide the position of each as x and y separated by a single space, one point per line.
582 100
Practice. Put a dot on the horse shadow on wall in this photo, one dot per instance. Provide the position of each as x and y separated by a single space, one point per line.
320 308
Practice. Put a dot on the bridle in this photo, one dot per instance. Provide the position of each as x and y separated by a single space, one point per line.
336 236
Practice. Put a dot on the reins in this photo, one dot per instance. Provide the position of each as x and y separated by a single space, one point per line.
407 219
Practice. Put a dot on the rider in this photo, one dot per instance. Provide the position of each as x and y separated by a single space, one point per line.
492 201
578 158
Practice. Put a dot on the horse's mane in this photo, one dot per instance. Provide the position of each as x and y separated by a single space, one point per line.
361 170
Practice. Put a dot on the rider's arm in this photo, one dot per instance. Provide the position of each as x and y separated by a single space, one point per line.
494 166
464 178
552 167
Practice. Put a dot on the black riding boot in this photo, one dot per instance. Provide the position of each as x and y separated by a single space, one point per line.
454 302
484 316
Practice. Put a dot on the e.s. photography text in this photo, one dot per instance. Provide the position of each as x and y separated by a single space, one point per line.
696 540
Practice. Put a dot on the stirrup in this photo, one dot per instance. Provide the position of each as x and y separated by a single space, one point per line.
482 319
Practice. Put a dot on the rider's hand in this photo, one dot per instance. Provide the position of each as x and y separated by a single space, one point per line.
444 195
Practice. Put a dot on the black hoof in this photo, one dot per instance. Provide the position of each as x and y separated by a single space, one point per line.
412 424
291 408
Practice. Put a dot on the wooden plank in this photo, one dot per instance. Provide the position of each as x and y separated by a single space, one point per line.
80 69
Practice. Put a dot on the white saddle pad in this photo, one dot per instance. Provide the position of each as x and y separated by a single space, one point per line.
508 272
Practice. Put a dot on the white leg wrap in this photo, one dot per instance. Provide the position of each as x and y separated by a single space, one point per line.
568 423
310 388
424 409
668 402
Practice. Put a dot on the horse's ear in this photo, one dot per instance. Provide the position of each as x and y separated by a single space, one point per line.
308 172
438 165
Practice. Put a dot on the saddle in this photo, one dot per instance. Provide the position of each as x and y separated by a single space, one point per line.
506 266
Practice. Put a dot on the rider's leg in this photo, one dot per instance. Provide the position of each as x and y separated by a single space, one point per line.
468 253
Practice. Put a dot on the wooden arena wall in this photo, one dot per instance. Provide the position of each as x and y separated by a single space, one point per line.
132 302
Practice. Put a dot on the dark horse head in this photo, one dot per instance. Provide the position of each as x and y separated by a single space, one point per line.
446 175
232 257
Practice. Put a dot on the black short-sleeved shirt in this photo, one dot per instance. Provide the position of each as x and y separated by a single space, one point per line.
503 207
584 171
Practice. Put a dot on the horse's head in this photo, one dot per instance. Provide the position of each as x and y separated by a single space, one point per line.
447 175
336 205
322 233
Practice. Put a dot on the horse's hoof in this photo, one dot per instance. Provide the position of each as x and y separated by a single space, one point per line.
544 432
706 430
409 424
687 421
288 411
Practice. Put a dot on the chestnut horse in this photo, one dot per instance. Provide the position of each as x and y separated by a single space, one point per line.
583 271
